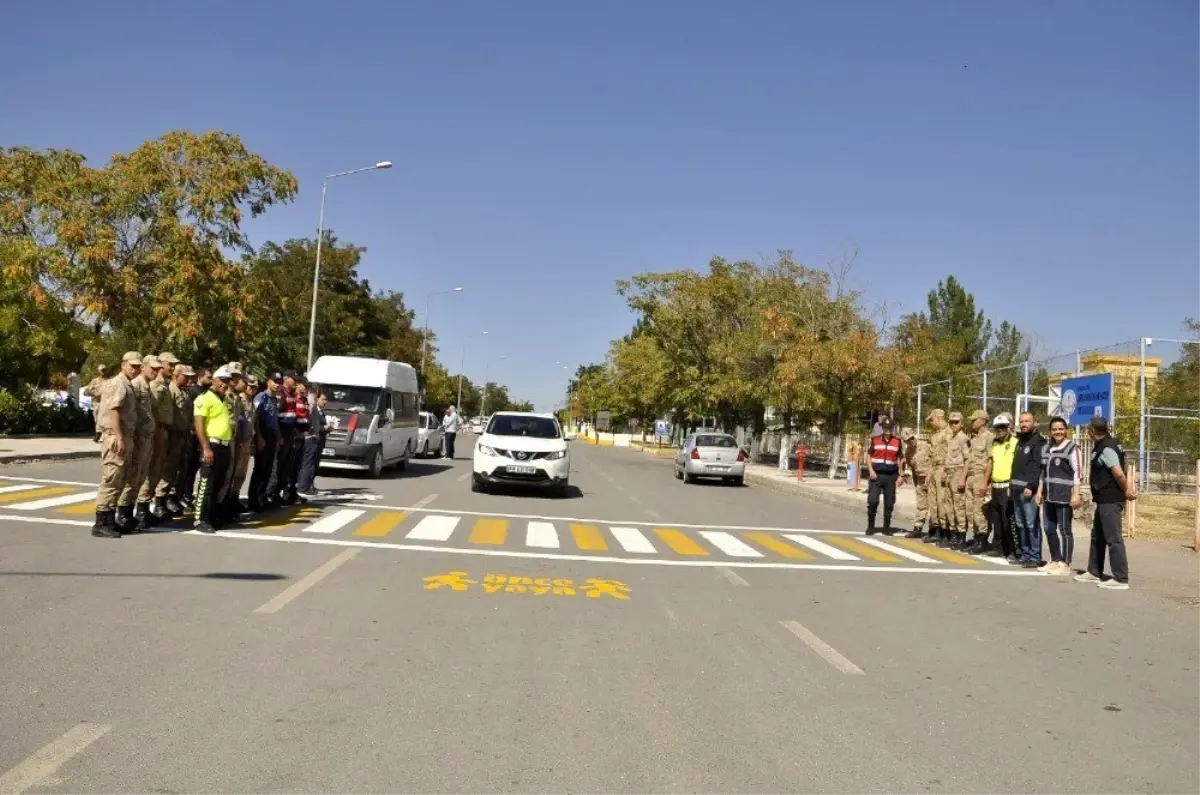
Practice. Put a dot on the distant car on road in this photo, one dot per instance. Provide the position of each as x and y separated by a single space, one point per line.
711 455
430 435
522 449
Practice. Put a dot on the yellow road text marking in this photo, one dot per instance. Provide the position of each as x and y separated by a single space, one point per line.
592 588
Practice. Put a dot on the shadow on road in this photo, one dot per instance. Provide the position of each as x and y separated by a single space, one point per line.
415 469
249 576
513 491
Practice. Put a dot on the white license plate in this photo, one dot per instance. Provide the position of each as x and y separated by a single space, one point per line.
521 470
717 468
327 451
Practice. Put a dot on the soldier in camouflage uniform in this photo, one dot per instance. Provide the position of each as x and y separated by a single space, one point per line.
116 417
95 390
226 503
917 453
243 389
164 417
956 465
143 450
939 441
979 450
177 440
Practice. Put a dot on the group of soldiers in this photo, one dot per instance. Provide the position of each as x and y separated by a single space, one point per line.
151 452
949 469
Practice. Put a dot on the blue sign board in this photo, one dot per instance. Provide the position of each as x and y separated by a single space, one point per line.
1086 397
662 429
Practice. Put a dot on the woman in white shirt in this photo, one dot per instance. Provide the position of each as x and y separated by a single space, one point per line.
1058 494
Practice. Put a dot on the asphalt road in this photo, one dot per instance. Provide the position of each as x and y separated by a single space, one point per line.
410 636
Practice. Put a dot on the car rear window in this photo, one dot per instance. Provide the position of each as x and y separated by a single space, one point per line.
715 441
536 427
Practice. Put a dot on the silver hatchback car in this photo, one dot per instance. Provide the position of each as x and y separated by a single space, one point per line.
711 455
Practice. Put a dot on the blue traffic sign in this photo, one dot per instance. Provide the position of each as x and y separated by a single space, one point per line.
1086 397
662 429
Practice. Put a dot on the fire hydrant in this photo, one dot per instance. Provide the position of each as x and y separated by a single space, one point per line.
801 455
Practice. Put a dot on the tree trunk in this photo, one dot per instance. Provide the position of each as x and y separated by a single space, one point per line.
785 441
835 454
757 431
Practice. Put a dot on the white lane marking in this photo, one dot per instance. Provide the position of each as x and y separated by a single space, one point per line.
333 522
463 476
18 487
46 520
827 652
633 498
498 553
670 614
53 482
730 545
54 502
434 528
421 503
619 487
991 560
632 540
653 514
309 580
46 761
819 546
895 549
541 534
733 577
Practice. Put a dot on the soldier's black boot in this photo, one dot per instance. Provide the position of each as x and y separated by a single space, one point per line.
123 518
960 540
931 537
141 517
103 528
174 509
917 531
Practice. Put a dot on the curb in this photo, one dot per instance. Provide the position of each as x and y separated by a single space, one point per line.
26 458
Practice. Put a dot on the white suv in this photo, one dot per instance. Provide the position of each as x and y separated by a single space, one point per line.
521 448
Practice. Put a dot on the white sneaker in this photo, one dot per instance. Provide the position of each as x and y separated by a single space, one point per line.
1058 568
1087 576
1113 585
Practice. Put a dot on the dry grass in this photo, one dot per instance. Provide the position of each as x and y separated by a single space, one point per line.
666 451
1166 516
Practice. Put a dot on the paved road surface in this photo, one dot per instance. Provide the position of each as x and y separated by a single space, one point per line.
639 636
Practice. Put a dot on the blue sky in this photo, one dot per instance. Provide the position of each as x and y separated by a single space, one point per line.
1046 153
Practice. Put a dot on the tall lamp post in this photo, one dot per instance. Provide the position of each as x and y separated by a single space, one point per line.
425 339
312 323
486 370
461 366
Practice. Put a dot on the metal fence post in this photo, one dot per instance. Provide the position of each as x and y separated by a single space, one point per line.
1025 368
1143 458
920 419
985 372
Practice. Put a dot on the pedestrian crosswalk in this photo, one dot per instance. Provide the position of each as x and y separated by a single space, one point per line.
427 529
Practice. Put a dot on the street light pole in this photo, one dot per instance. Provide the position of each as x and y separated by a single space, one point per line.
487 369
462 366
312 321
425 338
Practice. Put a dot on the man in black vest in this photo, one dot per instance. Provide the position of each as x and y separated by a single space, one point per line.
1110 489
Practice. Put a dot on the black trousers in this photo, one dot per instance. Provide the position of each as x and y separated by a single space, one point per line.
264 463
285 459
1000 517
885 484
1106 537
188 467
450 437
211 477
297 458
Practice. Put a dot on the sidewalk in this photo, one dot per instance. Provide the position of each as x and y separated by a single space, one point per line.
831 492
26 449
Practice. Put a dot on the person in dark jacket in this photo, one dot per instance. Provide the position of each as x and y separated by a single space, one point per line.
266 446
1111 488
1026 477
314 442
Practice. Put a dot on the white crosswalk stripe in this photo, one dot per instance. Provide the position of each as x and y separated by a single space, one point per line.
434 528
820 546
19 487
730 545
54 502
541 535
896 549
632 540
333 522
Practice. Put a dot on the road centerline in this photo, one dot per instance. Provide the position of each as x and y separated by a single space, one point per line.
823 649
46 761
294 590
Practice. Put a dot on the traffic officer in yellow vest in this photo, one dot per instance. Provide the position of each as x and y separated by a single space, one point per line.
939 442
979 451
917 451
177 439
116 417
164 417
143 450
956 463
214 432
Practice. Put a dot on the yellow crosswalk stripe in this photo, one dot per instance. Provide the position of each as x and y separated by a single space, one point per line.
381 524
489 531
850 545
680 542
36 494
778 546
79 508
587 536
936 552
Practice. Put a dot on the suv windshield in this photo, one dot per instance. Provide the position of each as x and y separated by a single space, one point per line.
536 427
715 441
351 398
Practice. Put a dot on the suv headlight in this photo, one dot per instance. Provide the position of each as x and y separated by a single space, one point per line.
483 448
556 455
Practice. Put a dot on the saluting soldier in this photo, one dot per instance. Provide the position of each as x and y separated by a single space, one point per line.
939 443
117 419
143 450
917 451
979 451
177 439
239 409
247 435
956 463
164 416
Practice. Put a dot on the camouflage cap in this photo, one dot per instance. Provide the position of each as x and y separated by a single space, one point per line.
166 357
979 414
936 414
150 360
133 357
235 368
183 369
252 380
956 416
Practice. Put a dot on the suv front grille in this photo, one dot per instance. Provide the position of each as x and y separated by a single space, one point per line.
520 455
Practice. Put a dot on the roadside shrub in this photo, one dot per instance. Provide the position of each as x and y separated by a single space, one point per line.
22 413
